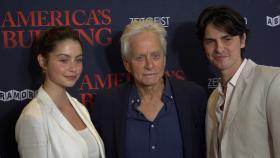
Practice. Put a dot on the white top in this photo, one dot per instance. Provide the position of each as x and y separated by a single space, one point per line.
42 131
93 149
225 99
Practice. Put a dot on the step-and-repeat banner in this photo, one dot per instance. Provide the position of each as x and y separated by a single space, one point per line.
100 24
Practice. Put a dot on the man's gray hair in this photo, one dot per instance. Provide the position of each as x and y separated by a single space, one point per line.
136 27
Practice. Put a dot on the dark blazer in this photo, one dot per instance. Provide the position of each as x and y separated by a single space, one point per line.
110 109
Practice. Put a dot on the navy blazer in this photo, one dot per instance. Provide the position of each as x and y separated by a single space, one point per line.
110 111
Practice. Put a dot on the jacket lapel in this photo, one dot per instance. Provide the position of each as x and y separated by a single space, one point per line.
182 104
54 112
64 124
120 107
212 125
235 103
88 123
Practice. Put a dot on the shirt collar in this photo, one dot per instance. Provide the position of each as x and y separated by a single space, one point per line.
167 93
134 99
235 77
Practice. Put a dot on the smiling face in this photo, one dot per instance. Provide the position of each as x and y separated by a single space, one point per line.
146 59
222 49
63 65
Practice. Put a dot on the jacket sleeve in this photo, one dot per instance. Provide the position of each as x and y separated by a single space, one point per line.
273 111
96 114
31 137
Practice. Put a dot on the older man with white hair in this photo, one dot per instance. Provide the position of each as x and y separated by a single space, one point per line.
152 115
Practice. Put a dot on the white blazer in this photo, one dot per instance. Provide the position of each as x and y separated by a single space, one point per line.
252 126
43 132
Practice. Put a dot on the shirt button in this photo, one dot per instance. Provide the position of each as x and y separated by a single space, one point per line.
153 147
171 97
152 125
138 100
132 101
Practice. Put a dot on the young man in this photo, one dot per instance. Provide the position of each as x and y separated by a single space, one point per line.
242 119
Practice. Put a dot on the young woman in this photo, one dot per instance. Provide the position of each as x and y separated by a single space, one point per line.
54 124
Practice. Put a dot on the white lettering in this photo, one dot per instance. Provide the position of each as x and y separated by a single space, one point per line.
213 82
17 95
273 21
164 21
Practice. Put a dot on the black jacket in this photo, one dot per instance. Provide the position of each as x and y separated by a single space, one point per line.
110 108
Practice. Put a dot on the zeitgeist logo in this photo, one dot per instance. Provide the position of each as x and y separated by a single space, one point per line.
273 21
163 20
213 82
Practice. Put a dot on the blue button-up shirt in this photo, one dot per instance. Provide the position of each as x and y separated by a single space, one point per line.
158 139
